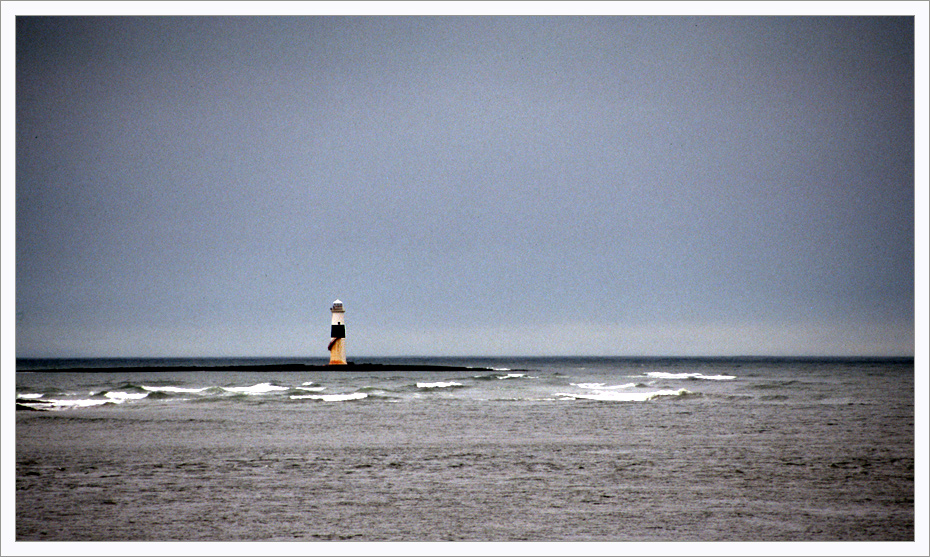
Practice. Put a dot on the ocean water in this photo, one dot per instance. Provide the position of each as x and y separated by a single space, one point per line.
537 449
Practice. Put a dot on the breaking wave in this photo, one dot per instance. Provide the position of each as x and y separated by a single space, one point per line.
63 404
615 396
122 396
667 375
331 397
601 386
259 389
311 389
439 385
174 389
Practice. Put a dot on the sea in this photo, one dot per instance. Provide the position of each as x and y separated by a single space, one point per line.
545 449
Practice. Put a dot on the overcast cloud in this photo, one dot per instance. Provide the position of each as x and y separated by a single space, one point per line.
466 185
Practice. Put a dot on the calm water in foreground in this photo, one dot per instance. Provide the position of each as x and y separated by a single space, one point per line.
561 449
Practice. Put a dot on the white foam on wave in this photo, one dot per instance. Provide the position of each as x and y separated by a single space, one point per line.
666 375
601 386
175 389
305 383
29 395
259 389
333 397
64 404
512 376
622 397
312 389
438 385
120 397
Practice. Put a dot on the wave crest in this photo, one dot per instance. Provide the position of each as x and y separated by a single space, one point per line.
439 385
259 389
614 396
667 375
331 397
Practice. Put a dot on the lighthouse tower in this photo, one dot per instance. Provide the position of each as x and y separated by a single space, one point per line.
337 342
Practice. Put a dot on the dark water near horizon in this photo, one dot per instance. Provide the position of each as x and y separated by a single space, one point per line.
537 449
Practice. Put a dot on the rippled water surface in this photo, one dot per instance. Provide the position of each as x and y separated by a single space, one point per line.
534 449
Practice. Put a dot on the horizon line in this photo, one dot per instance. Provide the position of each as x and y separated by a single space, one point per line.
617 356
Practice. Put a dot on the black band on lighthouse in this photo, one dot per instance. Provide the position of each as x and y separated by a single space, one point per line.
338 331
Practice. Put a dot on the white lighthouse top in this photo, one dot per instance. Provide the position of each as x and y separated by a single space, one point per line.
337 305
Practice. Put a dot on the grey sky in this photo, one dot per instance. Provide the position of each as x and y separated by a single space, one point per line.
466 185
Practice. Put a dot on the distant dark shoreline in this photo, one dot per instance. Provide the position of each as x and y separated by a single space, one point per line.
117 365
259 367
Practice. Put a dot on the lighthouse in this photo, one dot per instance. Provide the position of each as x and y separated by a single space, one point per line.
337 342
